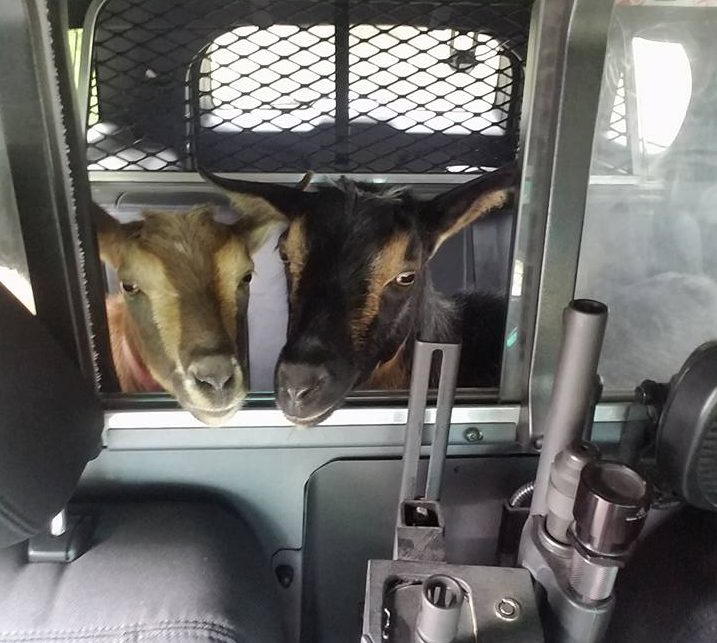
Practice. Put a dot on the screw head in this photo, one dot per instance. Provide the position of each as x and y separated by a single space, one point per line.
507 609
538 443
472 434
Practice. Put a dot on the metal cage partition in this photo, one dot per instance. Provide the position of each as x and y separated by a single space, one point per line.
139 62
290 85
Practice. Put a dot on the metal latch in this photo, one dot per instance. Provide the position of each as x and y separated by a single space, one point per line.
418 597
67 538
420 524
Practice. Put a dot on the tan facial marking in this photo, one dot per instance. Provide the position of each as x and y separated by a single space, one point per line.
164 302
231 264
386 264
482 205
296 249
390 375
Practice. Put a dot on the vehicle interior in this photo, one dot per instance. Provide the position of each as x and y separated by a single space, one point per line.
572 502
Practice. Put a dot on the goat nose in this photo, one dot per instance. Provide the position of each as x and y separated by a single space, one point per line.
301 382
213 372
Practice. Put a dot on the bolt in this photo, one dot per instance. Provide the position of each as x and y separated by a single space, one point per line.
472 434
538 443
507 609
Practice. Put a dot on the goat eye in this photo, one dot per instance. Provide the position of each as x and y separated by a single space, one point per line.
283 256
129 288
405 278
246 278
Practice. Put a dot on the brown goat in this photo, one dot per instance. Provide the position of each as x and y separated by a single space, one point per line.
185 289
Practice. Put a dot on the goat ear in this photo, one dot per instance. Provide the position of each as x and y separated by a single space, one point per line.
254 226
110 235
450 212
265 200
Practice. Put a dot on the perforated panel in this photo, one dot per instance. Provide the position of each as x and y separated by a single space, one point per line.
287 86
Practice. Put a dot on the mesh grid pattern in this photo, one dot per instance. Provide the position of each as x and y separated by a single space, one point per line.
617 130
613 153
613 150
291 85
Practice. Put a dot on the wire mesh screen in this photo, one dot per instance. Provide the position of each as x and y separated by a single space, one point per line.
614 141
288 86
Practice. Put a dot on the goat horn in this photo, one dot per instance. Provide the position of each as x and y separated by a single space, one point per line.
288 200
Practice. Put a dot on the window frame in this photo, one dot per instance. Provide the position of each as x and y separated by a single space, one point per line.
539 247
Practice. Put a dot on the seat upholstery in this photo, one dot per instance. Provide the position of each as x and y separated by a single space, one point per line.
668 591
156 571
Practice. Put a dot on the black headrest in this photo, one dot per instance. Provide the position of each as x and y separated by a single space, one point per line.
687 434
50 424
